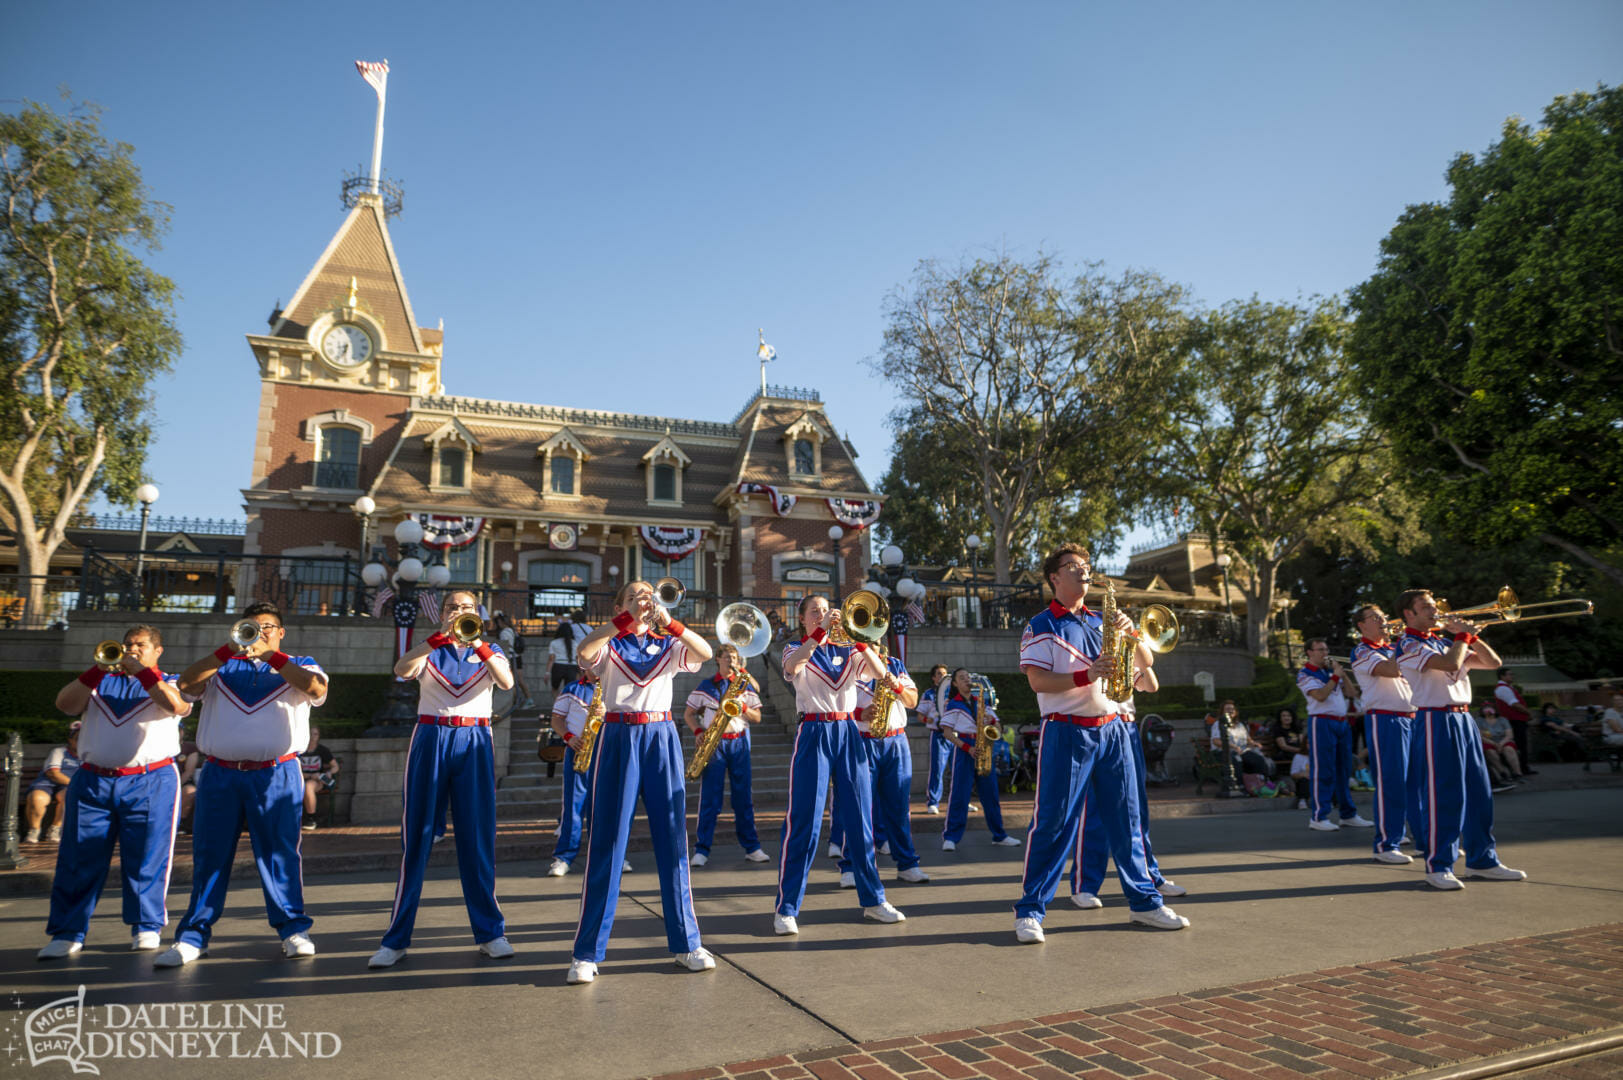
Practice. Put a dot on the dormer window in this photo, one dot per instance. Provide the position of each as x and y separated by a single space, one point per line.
563 461
451 448
805 457
453 460
664 483
803 447
562 478
665 463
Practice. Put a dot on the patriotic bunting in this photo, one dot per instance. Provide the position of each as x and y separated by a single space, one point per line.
855 514
782 503
669 544
441 531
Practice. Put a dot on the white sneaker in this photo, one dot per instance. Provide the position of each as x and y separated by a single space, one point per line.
1301 804
834 851
883 912
1171 888
699 859
1497 872
1028 931
31 836
496 948
1396 858
57 948
784 924
914 874
884 849
1445 881
1008 841
558 868
1358 821
385 957
54 834
697 960
948 845
1161 918
1086 901
297 945
626 867
933 809
179 954
848 880
973 809
1323 826
757 856
581 971
144 941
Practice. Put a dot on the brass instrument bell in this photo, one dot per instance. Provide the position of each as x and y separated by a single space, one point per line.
244 632
864 617
745 628
467 628
110 655
1158 629
668 592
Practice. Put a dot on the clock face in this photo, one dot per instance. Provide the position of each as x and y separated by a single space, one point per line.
346 345
562 537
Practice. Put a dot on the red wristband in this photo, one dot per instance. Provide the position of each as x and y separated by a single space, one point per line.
439 639
224 653
1081 678
1335 678
484 651
624 621
676 628
1467 638
818 635
277 660
149 677
860 646
93 676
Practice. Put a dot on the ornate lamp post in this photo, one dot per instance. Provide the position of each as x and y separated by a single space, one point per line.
835 534
1224 561
973 543
147 494
399 711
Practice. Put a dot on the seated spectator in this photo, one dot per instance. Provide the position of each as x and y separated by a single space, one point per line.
320 770
1569 742
1301 773
50 788
1499 748
1248 759
1611 722
1289 744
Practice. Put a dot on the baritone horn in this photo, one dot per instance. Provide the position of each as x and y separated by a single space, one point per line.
467 628
110 655
1158 629
745 628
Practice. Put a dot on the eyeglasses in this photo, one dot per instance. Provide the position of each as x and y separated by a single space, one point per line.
1078 569
463 607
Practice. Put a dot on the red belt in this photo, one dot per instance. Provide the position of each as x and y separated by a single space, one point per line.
1444 708
826 716
635 717
1083 721
455 721
1340 717
128 770
887 735
247 766
1388 712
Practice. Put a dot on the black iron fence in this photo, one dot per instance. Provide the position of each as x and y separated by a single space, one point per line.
192 581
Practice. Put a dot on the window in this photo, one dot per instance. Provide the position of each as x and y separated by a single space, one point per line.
560 572
452 460
805 457
339 462
463 561
563 475
665 483
557 586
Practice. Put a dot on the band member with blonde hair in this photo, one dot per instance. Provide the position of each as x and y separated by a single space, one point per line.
126 791
450 761
638 752
731 759
1388 722
827 741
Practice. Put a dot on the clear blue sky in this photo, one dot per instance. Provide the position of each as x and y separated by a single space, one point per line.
603 201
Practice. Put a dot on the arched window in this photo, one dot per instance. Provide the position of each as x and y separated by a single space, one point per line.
338 461
805 457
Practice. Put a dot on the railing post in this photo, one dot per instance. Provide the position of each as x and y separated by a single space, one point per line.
343 605
11 856
219 585
84 576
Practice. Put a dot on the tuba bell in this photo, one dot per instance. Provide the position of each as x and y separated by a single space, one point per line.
744 626
110 655
864 618
467 628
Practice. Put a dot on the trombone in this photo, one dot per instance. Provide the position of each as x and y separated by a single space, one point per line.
1506 607
244 632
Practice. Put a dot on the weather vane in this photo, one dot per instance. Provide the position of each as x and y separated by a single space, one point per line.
766 353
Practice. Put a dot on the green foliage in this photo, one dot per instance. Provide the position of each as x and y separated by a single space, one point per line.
1488 342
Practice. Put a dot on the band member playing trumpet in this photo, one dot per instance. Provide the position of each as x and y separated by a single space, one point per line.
1321 681
940 744
255 722
731 759
569 720
126 791
1388 719
451 762
828 741
960 719
1082 743
890 761
638 752
1452 791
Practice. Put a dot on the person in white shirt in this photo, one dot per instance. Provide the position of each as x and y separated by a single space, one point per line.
958 720
1388 723
731 759
1330 738
940 746
126 791
1611 722
255 721
569 707
890 763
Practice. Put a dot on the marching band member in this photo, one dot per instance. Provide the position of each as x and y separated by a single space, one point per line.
1082 745
827 742
890 761
1330 739
568 720
126 791
731 759
940 744
255 722
638 752
1388 719
958 719
450 761
1452 790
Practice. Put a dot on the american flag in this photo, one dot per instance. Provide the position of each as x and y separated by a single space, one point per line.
375 73
429 604
381 601
915 613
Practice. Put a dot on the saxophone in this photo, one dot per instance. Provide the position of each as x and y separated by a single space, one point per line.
587 740
1116 645
986 732
731 707
883 697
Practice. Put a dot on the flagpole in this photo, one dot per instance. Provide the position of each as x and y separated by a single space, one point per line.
377 135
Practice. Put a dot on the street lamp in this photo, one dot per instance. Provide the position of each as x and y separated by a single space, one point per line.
973 543
399 709
147 494
1223 562
835 534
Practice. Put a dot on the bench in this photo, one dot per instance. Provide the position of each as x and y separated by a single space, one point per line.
1208 766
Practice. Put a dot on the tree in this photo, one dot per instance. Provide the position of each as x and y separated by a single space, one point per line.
1265 448
1041 389
84 326
1489 342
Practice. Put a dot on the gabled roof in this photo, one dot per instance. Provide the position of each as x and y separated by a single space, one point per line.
760 457
452 428
667 447
565 439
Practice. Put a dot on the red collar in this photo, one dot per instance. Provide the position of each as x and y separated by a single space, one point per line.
1059 611
1375 644
1409 631
1310 667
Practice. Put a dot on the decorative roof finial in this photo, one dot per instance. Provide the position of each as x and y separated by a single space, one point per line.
352 301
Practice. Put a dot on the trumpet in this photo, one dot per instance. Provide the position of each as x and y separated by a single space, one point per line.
110 655
864 617
668 592
1506 607
244 632
467 628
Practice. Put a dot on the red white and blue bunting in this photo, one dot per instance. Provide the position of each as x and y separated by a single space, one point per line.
854 514
441 531
669 544
782 502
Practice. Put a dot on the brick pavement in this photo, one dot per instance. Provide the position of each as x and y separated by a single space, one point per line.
1381 1019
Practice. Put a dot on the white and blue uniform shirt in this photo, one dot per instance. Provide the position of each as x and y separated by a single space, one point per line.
123 726
959 715
706 699
828 682
636 671
1382 693
926 708
60 757
1312 678
1064 642
455 682
571 703
251 713
898 712
1432 689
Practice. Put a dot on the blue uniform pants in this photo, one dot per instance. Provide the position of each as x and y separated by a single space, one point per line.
940 765
824 748
1389 738
965 784
1092 844
572 814
890 761
731 760
1070 758
139 814
270 803
1330 766
1453 793
631 760
455 766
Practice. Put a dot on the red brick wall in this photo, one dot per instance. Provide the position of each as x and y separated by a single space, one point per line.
291 456
779 536
284 529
